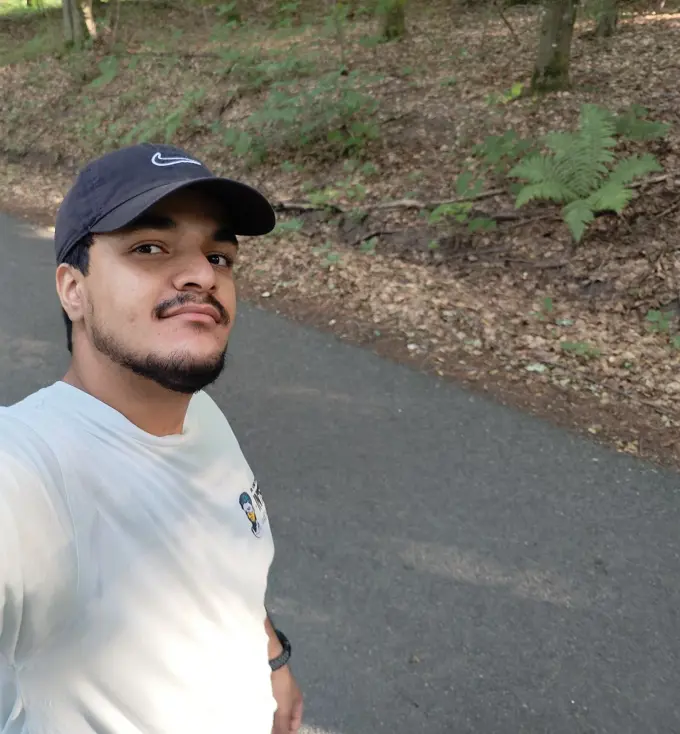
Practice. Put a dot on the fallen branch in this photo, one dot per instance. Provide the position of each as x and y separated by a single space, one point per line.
477 254
508 25
650 181
370 236
176 54
672 208
540 264
417 204
306 206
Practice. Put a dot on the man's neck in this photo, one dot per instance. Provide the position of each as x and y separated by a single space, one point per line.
149 406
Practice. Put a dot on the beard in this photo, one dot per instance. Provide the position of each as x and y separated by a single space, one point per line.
177 371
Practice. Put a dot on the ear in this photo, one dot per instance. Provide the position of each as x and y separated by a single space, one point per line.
70 289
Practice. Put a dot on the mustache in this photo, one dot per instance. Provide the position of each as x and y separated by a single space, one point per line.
182 299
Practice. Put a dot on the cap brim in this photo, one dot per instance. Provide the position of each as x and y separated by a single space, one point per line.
248 211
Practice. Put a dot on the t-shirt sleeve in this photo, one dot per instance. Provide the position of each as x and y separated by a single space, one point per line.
38 559
11 585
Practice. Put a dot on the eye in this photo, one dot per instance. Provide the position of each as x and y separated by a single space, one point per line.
221 260
148 249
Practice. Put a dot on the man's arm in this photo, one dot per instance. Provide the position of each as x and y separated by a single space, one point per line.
275 647
11 596
288 716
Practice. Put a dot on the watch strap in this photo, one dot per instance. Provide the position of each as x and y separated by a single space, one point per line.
284 657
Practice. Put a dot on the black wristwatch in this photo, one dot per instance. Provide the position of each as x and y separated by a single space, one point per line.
284 657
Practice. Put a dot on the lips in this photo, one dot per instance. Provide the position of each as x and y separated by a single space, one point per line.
202 311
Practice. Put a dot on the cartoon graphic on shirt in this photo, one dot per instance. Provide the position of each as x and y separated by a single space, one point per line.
247 504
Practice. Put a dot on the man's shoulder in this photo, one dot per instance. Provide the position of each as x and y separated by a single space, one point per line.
24 430
208 414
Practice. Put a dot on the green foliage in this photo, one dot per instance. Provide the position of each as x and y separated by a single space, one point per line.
286 226
329 257
229 13
658 322
290 167
467 187
370 41
509 95
393 18
255 69
546 310
368 247
633 125
500 152
581 349
335 114
323 197
162 122
287 13
581 171
42 44
449 81
457 211
108 68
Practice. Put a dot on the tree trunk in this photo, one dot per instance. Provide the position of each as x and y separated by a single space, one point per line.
90 22
554 50
607 19
393 19
73 27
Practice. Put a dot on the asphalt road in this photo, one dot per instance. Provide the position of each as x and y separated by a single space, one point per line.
443 564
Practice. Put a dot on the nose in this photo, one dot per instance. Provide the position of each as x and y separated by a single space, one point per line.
195 273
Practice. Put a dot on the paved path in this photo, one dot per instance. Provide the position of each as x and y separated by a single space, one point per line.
444 564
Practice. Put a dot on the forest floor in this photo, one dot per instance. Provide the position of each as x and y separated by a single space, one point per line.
582 334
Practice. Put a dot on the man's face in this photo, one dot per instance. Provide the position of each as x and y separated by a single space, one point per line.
159 296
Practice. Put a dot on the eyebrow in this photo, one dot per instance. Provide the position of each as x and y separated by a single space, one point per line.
149 220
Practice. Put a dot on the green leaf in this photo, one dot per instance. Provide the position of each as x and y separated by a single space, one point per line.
611 197
463 183
290 225
560 142
550 190
459 211
659 321
108 67
534 168
633 167
577 215
482 224
630 124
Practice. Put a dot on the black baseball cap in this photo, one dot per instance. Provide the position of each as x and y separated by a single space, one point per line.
112 191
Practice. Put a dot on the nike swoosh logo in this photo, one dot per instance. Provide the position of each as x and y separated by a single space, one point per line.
158 160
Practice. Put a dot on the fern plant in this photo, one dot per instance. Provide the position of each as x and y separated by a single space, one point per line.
581 171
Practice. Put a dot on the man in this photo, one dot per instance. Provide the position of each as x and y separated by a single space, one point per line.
134 540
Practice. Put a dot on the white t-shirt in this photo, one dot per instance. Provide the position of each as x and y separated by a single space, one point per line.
133 572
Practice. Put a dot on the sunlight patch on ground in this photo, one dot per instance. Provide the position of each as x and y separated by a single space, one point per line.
468 567
45 232
674 18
